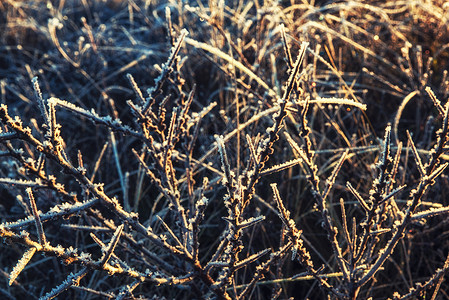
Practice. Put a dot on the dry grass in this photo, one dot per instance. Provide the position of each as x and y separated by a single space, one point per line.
228 149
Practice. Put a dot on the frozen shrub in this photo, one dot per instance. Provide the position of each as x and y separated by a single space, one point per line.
258 122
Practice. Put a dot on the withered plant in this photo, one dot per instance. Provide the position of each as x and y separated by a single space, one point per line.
249 167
